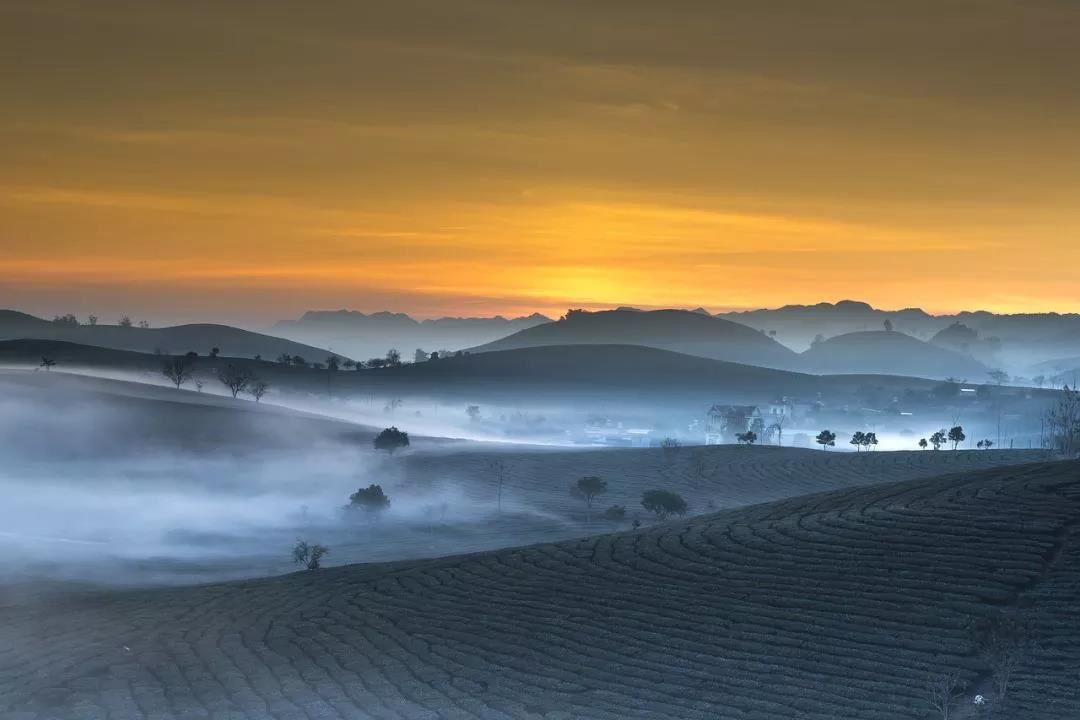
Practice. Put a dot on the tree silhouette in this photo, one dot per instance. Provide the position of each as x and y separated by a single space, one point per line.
938 439
858 439
923 443
749 437
47 362
956 436
391 439
235 378
215 351
826 439
309 555
663 503
371 499
869 440
177 369
393 358
587 489
125 322
257 388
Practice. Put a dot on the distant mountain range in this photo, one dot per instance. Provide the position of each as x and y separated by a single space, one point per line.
363 335
1016 341
177 340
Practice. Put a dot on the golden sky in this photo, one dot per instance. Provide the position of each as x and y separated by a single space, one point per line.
249 160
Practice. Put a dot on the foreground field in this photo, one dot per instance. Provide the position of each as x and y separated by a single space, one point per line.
835 605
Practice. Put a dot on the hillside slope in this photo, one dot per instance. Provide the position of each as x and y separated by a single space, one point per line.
616 371
177 340
679 331
843 604
890 353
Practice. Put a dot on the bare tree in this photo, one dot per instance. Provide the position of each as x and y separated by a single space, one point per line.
499 469
1063 422
47 362
177 369
125 322
235 378
309 555
777 425
257 388
942 692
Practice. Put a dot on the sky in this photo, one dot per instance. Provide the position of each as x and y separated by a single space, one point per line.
192 159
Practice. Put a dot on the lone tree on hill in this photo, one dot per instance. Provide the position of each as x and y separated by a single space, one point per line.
826 439
587 489
391 439
215 351
177 369
923 443
47 362
393 358
371 499
938 439
663 503
235 378
956 436
309 555
749 437
258 388
125 322
998 377
869 440
858 439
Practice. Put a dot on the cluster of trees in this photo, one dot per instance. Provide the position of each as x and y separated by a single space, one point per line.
955 435
862 440
662 503
180 369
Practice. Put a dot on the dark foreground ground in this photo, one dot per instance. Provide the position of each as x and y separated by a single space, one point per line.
837 605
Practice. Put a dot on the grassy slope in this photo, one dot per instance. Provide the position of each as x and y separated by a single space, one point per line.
818 607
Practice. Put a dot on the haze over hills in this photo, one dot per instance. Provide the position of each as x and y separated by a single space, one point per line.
843 604
890 353
680 331
363 335
1022 338
176 340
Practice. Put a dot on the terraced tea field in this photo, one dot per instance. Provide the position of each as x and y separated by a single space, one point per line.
826 606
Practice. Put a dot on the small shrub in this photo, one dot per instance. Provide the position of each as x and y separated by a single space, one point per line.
663 503
309 555
391 439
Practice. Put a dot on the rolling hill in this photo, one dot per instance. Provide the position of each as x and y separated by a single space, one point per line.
680 331
890 353
179 339
848 604
618 372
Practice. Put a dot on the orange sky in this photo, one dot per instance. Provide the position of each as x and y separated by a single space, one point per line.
203 160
